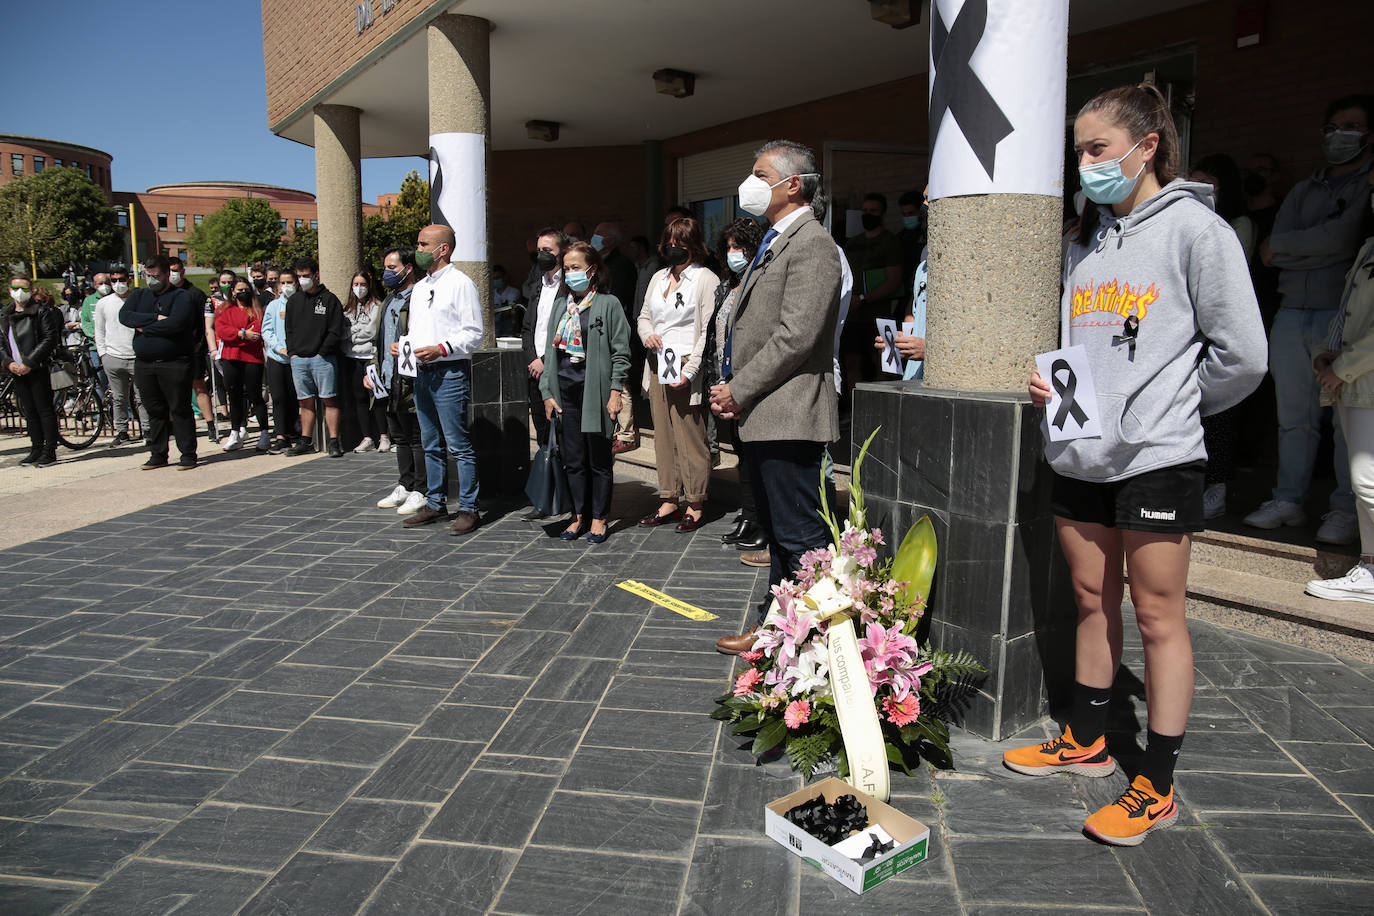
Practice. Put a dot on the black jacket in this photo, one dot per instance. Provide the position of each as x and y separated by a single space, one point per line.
314 323
165 324
37 331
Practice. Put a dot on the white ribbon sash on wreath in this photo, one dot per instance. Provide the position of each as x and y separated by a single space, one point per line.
863 736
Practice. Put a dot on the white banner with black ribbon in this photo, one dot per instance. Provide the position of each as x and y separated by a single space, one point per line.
1072 412
997 88
458 191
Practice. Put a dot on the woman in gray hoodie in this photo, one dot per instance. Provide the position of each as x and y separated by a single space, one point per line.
1157 292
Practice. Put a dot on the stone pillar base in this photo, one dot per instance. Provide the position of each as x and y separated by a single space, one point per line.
974 464
500 422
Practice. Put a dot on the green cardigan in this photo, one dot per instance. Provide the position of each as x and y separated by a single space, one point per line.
608 360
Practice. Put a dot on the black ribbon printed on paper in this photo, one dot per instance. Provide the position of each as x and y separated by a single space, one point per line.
407 357
1068 407
669 363
958 89
890 354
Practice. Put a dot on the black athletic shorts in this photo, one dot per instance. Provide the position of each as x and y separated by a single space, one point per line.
1164 500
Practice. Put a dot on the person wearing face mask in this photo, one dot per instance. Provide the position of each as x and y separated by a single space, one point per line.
262 290
286 421
200 360
875 259
674 320
166 331
912 239
445 329
115 344
1157 293
505 303
362 312
220 297
587 349
777 362
31 328
238 327
315 332
1316 234
273 281
398 277
606 239
550 245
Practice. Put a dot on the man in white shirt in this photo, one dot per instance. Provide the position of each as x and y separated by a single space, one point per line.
550 245
115 345
445 328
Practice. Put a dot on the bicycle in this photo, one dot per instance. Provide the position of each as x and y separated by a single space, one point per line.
81 404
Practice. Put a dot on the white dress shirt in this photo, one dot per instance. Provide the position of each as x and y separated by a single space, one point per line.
111 337
548 292
446 312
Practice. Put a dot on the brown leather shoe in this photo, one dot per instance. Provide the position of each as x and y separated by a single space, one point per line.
760 558
426 516
621 446
653 519
734 645
465 523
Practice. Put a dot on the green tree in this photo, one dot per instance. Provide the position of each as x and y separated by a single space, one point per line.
244 230
57 217
408 216
303 243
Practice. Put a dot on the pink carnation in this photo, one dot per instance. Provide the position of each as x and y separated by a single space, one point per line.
902 709
752 655
745 682
797 714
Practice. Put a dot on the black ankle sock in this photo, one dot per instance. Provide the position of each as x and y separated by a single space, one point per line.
1161 753
1089 721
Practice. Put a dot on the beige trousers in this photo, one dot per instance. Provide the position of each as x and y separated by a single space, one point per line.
684 463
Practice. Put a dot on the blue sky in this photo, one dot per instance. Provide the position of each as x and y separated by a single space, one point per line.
87 71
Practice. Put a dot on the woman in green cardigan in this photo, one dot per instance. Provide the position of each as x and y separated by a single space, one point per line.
585 363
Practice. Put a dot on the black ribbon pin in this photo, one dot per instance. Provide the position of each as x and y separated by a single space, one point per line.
890 354
958 89
1129 331
669 364
679 303
1068 407
408 357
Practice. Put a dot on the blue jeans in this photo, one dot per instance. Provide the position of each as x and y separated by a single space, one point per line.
1297 337
315 376
442 394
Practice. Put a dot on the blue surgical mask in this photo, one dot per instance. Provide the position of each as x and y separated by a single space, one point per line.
392 278
737 260
598 242
911 222
577 280
1103 182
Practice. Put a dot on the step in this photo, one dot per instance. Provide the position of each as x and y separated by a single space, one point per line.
1266 557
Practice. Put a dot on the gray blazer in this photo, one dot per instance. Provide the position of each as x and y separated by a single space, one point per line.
784 337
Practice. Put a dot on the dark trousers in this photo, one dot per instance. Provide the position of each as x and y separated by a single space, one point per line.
35 399
786 477
165 387
586 457
286 417
371 416
541 423
404 429
748 507
243 383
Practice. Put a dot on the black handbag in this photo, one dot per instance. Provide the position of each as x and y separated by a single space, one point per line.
547 486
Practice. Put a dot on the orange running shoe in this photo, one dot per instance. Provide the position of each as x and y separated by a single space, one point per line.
1061 755
1126 821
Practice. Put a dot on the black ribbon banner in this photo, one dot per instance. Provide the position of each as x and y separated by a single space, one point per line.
436 187
669 364
408 357
1068 407
958 89
890 354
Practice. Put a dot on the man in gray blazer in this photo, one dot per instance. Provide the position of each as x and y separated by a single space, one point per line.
777 369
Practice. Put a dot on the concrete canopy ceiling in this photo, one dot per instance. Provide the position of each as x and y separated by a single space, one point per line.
588 65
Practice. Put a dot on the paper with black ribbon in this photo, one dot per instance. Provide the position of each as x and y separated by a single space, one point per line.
406 363
892 359
378 389
1072 412
669 366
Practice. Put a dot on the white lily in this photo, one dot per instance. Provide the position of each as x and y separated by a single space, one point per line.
810 672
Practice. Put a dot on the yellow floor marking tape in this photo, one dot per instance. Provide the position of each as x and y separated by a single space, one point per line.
672 604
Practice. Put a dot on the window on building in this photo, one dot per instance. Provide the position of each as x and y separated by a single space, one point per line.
57 163
181 222
88 172
39 163
314 224
17 164
122 217
299 223
283 224
162 221
198 218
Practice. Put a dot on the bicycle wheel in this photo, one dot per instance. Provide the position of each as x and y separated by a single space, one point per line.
80 416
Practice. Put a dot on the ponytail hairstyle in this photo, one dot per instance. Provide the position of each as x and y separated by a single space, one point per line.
1138 110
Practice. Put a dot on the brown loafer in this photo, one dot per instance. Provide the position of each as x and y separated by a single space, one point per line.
426 516
734 645
760 558
653 519
620 446
689 524
465 523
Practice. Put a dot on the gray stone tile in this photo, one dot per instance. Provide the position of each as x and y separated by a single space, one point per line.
1312 847
590 882
662 694
1059 863
575 679
761 877
154 662
1339 767
464 723
225 747
263 710
301 624
14 756
384 703
1184 873
822 894
1286 714
417 672
736 795
341 741
1362 805
512 763
1013 807
602 636
307 680
151 626
161 887
235 836
97 646
48 725
321 884
71 853
1228 672
300 786
521 653
151 790
1255 793
446 644
12 696
1358 719
50 670
543 728
1233 753
381 629
179 701
97 753
248 659
489 690
1329 680
492 809
710 666
341 653
33 897
32 799
380 829
454 880
654 827
1311 898
648 774
630 728
422 770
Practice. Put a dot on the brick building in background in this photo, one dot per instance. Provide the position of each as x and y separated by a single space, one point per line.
24 156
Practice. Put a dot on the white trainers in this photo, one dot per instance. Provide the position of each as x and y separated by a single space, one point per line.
1356 585
414 503
1339 527
1214 501
366 445
384 444
234 442
1275 512
394 498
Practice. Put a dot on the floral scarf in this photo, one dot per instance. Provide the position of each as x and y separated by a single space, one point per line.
568 337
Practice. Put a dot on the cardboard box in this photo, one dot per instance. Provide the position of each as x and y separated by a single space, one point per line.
912 836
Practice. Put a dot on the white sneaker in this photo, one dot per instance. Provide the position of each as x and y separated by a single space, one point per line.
1214 501
366 445
384 444
1339 527
414 503
1356 585
394 498
1275 512
234 442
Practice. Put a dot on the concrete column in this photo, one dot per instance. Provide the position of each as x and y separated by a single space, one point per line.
339 194
460 103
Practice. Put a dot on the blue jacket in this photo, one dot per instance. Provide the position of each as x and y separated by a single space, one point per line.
274 330
1317 232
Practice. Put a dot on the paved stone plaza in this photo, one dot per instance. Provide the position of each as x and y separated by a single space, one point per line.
263 699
